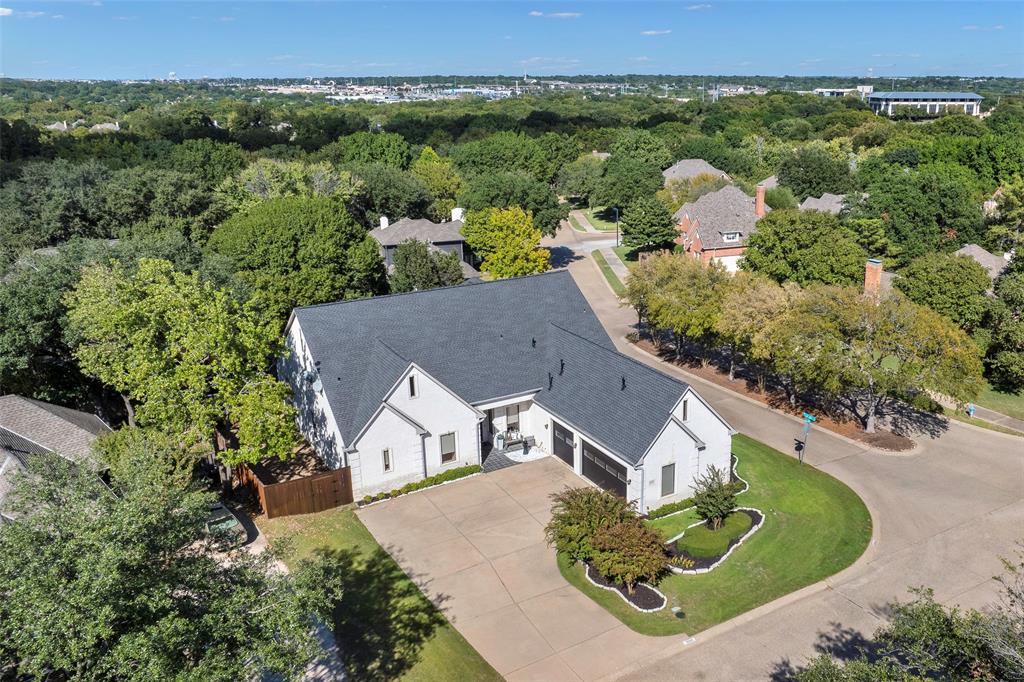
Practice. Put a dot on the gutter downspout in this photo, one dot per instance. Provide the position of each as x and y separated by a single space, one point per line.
423 451
643 487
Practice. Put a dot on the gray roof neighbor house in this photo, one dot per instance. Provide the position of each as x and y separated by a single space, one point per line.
488 340
992 263
30 428
687 169
827 203
729 210
420 229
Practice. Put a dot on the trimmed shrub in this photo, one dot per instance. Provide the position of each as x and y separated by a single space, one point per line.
629 551
714 497
577 514
670 508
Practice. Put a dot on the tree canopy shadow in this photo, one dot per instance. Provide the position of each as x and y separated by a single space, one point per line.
561 256
381 620
840 642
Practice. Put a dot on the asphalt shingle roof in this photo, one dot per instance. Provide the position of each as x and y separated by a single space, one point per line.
420 229
827 202
992 263
727 210
690 168
486 341
57 429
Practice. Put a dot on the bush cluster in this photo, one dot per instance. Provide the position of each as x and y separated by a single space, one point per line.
443 477
670 508
595 526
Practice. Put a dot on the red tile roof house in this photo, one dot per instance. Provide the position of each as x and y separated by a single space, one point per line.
716 226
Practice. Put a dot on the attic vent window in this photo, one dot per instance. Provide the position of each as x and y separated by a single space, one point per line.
561 367
412 387
551 381
533 342
623 382
731 236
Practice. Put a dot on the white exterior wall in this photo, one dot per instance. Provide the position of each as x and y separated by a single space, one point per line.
439 411
388 430
315 418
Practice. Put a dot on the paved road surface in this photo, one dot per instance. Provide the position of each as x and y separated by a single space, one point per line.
943 517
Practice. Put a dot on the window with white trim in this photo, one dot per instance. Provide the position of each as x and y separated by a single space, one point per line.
412 386
686 409
447 447
731 237
386 459
668 480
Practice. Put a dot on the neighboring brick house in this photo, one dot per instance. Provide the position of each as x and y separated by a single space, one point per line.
716 226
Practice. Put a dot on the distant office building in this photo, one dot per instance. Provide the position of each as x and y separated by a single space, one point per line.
930 102
860 91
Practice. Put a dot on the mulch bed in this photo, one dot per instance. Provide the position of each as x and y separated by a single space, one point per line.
881 439
643 597
700 562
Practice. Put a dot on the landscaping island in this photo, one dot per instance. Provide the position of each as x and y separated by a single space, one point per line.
814 526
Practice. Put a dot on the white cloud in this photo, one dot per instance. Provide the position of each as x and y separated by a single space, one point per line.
656 33
639 60
557 15
57 16
123 18
697 8
30 15
226 19
6 11
975 27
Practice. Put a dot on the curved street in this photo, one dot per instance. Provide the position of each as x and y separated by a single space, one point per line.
943 516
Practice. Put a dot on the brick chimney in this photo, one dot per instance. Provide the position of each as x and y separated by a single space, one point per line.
873 277
759 202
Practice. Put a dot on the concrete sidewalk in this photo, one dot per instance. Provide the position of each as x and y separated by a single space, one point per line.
583 222
616 264
999 418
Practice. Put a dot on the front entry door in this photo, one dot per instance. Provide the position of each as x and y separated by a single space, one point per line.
563 443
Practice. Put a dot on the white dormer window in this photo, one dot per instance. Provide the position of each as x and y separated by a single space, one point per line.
731 237
412 386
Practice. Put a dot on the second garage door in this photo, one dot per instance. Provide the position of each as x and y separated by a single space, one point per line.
563 443
603 470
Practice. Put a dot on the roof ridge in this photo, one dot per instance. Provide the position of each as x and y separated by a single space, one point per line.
615 351
463 285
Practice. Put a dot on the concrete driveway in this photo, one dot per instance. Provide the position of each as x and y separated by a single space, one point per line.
476 548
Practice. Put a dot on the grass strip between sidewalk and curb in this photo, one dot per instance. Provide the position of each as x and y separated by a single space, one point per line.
617 286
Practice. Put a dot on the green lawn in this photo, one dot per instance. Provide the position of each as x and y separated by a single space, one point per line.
388 630
814 527
600 217
1011 404
671 526
575 223
618 287
701 541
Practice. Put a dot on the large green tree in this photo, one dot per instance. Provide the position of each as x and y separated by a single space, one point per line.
506 190
298 251
365 147
269 179
438 175
580 178
803 247
186 354
625 180
417 267
1006 325
812 171
953 286
120 581
647 224
390 192
507 241
1007 224
687 300
641 145
503 152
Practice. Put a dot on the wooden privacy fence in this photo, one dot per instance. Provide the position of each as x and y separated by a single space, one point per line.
301 495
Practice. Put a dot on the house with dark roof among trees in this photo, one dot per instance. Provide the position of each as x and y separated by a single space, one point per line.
716 226
401 387
31 428
438 236
688 169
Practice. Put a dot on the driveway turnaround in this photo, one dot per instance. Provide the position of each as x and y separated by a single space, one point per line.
476 548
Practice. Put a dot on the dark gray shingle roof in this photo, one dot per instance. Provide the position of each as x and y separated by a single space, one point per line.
690 168
485 341
827 202
419 229
727 210
992 263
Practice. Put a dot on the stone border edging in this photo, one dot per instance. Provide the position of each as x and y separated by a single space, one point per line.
586 573
721 559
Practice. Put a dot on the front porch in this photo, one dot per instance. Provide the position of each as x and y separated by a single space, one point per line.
507 435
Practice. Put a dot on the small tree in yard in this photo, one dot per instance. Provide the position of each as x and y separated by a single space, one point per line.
629 551
418 268
578 514
714 497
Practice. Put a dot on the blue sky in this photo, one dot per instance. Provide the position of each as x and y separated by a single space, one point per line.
111 39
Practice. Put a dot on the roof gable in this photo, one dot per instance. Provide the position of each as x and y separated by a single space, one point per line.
420 229
719 213
52 427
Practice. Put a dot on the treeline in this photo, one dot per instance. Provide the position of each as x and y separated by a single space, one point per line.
833 346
